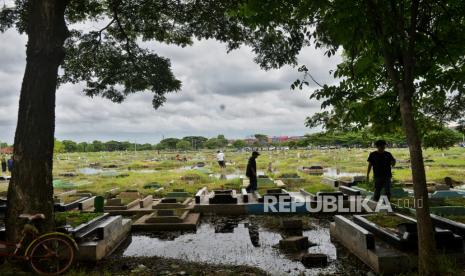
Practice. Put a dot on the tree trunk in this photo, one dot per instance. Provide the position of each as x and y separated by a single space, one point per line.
31 189
426 243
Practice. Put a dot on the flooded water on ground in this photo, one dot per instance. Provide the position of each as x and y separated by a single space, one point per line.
90 171
237 243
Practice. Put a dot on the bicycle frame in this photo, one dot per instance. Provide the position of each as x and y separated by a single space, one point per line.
28 230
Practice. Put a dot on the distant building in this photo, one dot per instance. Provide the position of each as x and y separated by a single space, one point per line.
250 141
296 138
7 150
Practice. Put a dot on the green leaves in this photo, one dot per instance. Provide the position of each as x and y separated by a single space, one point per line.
110 60
113 69
381 50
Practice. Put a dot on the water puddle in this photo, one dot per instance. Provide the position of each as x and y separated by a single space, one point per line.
90 171
236 242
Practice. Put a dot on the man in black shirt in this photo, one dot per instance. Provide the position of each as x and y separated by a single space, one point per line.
381 161
251 172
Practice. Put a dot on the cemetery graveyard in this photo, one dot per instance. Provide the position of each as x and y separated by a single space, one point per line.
149 204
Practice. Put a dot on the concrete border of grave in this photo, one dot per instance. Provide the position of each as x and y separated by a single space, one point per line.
223 197
361 243
113 231
178 193
170 220
117 207
146 202
87 204
199 194
407 239
334 182
83 230
223 202
349 191
454 226
172 203
62 207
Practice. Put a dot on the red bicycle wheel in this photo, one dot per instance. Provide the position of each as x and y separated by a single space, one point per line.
52 255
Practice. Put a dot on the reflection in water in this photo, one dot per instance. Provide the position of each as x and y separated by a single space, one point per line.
237 242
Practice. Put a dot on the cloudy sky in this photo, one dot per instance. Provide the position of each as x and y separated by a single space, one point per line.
221 94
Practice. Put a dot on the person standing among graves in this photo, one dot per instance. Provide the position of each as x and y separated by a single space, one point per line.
251 172
10 164
220 158
381 161
3 165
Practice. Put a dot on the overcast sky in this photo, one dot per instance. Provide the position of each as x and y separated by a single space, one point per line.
221 94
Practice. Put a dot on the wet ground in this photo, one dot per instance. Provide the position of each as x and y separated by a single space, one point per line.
250 241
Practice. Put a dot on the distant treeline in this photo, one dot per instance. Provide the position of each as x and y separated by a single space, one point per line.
442 138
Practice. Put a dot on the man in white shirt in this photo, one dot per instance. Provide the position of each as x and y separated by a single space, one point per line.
220 158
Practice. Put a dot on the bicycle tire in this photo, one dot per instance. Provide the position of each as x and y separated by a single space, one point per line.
51 243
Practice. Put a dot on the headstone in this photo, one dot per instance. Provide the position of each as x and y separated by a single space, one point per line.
294 243
314 260
114 202
98 204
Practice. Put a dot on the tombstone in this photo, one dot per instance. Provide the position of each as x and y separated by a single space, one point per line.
98 204
114 202
310 260
295 243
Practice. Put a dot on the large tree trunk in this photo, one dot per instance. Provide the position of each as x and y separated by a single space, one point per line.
426 243
31 189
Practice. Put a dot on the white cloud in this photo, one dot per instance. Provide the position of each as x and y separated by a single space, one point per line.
254 100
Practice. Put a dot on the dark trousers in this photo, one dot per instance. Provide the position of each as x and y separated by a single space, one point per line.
380 183
252 184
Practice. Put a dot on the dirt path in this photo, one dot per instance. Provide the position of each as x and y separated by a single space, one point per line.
159 266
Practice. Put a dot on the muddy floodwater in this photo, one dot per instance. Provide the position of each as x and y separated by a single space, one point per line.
235 241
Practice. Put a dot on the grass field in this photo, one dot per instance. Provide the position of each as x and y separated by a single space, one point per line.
133 170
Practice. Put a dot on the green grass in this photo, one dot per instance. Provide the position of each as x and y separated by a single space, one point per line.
74 218
148 167
386 220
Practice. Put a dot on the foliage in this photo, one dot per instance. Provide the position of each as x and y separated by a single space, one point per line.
59 147
111 60
366 32
442 138
197 141
239 144
183 145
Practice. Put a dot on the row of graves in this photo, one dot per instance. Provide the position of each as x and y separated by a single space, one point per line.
388 241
